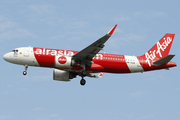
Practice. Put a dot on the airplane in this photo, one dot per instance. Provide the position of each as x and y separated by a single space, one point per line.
69 64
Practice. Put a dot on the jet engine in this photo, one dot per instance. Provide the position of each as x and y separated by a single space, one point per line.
61 75
64 61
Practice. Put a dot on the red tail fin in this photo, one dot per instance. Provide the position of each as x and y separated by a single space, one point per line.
160 49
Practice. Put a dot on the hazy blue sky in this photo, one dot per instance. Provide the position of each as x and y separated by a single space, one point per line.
73 25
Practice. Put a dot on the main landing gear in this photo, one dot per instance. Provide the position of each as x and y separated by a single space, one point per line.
83 74
25 72
83 82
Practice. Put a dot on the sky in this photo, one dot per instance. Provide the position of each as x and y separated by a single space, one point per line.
73 25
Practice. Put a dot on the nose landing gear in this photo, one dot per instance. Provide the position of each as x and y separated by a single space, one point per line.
25 72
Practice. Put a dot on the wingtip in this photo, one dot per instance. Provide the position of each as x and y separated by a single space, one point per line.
112 30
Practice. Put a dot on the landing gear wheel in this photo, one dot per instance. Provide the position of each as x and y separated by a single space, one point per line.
83 82
84 73
24 72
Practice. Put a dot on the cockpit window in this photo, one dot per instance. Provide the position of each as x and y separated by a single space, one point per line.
14 50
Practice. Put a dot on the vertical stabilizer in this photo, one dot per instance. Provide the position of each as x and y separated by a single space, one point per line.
160 49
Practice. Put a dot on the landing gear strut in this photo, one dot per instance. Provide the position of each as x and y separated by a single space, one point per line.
83 81
25 72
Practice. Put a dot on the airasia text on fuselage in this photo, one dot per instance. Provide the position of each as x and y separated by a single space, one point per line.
55 52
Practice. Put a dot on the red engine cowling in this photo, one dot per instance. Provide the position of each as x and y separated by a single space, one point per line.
61 75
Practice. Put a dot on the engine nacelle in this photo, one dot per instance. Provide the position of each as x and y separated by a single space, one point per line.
61 75
64 61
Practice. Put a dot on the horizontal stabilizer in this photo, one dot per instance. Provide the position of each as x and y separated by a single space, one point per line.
94 76
162 61
101 74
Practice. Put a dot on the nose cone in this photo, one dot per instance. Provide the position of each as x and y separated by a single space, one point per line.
10 58
5 57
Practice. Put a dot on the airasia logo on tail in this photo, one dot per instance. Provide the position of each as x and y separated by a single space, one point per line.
161 47
62 60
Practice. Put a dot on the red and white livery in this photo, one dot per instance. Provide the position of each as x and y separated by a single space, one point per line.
68 64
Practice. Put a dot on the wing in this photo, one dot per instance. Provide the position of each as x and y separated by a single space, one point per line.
86 55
